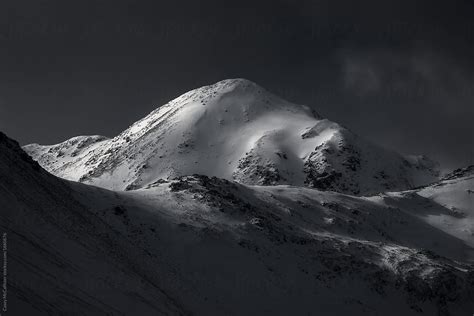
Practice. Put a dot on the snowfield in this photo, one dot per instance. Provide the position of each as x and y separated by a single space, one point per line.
235 130
447 205
199 245
229 200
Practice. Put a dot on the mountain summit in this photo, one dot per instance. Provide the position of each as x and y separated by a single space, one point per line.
235 130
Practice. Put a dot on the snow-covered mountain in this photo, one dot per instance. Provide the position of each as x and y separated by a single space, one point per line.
235 130
208 246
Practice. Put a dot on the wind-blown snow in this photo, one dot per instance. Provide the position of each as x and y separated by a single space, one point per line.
235 130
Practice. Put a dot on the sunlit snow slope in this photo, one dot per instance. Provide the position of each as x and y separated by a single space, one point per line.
447 205
235 130
207 246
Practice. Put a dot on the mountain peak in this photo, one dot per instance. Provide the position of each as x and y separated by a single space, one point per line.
237 83
236 130
239 87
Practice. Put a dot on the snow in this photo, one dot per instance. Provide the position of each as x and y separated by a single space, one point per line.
447 205
209 246
236 130
229 200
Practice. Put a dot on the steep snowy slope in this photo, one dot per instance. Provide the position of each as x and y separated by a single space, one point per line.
207 246
63 259
235 129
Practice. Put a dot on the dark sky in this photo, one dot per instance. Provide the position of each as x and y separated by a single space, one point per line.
400 73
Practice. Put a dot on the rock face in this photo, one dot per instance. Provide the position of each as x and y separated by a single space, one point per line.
346 163
235 130
460 173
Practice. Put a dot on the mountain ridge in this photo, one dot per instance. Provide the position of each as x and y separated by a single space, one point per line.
204 245
236 130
